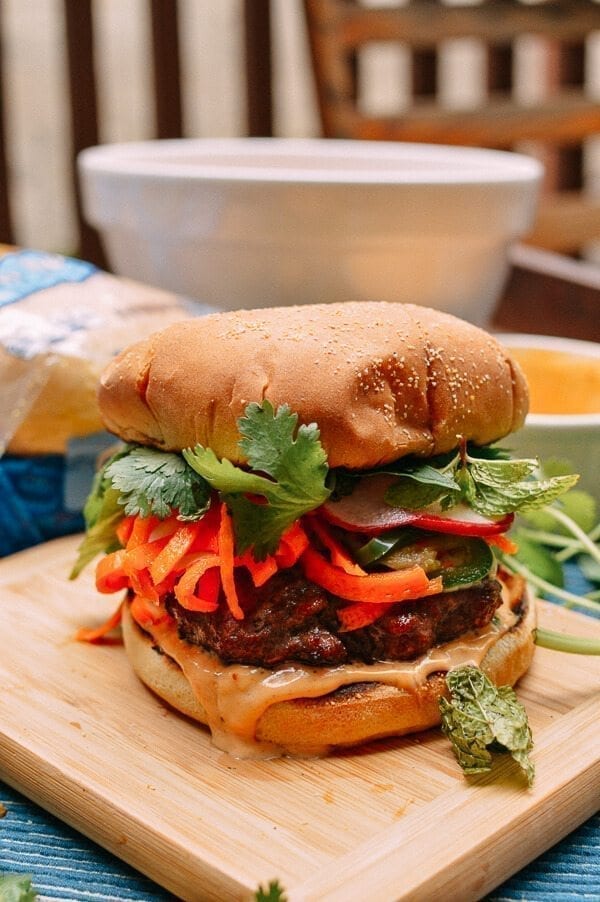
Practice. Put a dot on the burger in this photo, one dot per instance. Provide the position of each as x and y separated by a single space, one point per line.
307 520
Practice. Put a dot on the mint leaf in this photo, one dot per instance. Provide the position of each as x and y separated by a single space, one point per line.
488 452
481 717
413 496
16 888
505 486
295 465
157 482
426 474
420 485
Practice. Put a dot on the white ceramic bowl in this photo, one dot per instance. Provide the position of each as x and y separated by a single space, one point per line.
573 373
251 222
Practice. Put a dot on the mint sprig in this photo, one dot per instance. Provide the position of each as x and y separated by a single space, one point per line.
482 718
294 465
485 478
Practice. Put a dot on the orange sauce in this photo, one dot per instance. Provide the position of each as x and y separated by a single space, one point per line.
235 696
560 382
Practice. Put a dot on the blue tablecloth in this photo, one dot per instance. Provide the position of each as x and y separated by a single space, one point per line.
64 865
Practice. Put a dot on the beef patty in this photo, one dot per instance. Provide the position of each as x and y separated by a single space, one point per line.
291 619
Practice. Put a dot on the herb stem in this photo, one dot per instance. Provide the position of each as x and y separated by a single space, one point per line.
567 553
569 598
563 642
588 544
550 538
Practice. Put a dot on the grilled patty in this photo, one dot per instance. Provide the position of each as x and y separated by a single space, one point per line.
291 619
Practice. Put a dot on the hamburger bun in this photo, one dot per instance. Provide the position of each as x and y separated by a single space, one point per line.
352 715
381 380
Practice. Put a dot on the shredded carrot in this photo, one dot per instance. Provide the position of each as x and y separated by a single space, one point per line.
185 589
169 556
142 529
355 616
195 560
110 572
100 634
391 586
338 554
292 546
260 571
141 583
503 543
142 556
145 613
226 563
124 530
207 530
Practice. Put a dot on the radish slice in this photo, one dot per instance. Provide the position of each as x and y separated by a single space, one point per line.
365 510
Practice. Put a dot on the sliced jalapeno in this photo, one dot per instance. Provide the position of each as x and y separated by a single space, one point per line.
461 561
395 539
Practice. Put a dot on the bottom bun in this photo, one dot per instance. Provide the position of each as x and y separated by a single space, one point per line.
349 716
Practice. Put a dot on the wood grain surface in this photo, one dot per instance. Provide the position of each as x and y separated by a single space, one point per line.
394 820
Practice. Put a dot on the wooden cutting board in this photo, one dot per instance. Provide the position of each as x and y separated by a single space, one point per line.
395 820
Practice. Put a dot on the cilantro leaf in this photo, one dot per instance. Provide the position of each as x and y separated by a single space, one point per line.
479 717
156 482
273 893
101 513
102 535
16 888
295 465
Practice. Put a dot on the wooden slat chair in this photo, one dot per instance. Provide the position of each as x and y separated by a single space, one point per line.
165 75
555 128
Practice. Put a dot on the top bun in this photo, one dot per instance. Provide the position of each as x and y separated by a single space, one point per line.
382 380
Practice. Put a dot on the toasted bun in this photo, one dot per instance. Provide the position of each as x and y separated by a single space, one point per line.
381 380
347 717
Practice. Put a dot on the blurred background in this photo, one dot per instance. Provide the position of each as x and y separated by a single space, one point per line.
77 72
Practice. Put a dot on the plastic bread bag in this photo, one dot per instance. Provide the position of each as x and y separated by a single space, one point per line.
61 320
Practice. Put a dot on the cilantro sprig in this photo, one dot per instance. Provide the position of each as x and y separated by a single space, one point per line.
294 465
16 888
274 892
481 718
137 480
102 514
288 472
